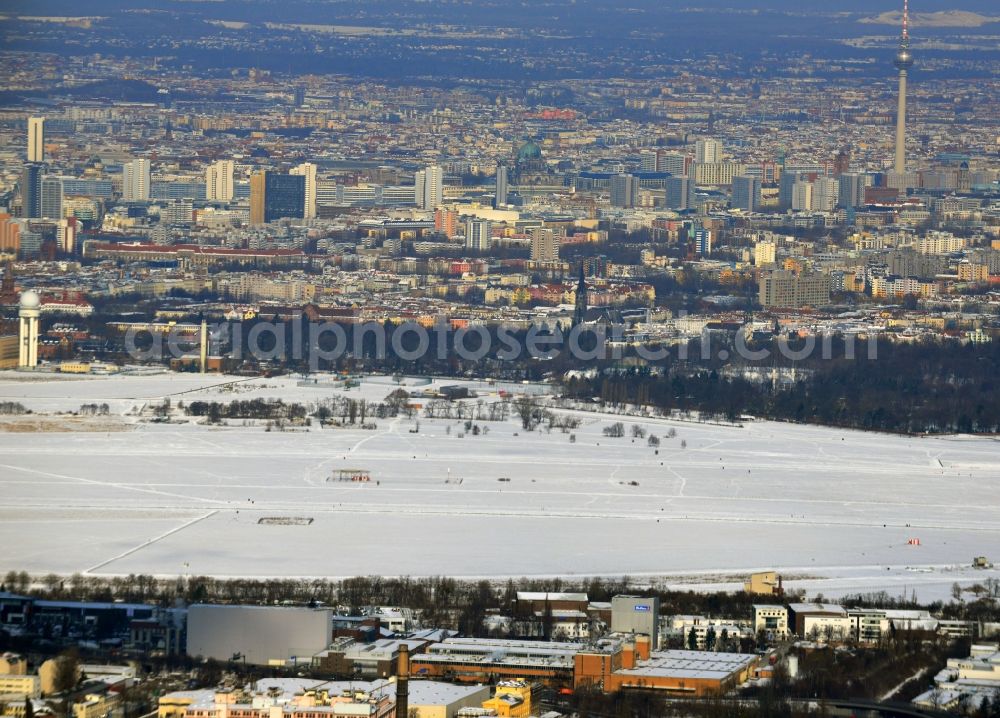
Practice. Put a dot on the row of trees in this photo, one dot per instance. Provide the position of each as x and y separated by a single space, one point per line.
264 409
924 387
12 408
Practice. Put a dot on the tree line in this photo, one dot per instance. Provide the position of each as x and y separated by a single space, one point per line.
921 387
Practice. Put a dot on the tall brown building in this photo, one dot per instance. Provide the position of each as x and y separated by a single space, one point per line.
842 162
257 197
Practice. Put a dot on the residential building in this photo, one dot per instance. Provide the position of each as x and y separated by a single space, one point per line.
781 288
544 245
765 253
704 630
707 151
802 196
702 242
13 664
672 162
219 181
135 182
18 687
717 174
429 187
826 194
97 705
446 222
478 235
307 170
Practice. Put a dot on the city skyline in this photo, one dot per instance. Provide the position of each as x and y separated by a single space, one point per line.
476 360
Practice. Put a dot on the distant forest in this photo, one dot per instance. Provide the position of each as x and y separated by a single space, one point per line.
922 387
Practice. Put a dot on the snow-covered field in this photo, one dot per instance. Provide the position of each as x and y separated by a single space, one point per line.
833 510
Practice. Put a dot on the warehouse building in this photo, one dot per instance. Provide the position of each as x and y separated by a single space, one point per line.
607 665
680 673
259 635
484 660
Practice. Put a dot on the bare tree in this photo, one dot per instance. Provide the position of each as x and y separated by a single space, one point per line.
67 671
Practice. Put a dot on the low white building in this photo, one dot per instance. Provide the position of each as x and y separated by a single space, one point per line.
965 682
681 626
771 619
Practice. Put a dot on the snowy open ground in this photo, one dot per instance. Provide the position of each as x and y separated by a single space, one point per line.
834 508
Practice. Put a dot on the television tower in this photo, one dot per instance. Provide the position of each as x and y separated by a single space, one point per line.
903 62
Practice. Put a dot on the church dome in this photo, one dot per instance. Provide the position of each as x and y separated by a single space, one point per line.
529 151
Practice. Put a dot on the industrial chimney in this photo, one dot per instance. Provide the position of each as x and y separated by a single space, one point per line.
203 347
403 682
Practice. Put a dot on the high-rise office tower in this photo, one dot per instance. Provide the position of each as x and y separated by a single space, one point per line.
428 191
31 191
707 151
903 62
219 181
746 193
478 235
36 139
786 187
257 180
544 245
308 170
852 190
275 196
624 188
135 185
679 193
52 197
502 186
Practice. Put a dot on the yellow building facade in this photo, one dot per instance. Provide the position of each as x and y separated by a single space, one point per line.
511 700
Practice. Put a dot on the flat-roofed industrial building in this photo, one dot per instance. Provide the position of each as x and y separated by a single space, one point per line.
259 635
